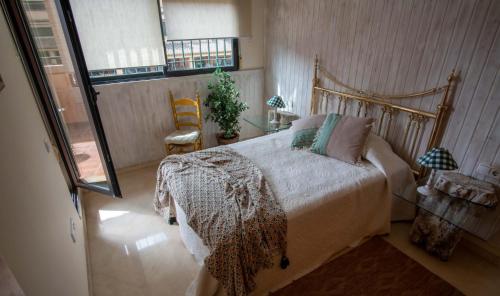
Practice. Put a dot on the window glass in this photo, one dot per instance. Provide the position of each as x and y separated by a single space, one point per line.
185 55
67 95
34 5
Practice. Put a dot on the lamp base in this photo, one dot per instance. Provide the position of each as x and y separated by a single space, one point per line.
425 190
275 120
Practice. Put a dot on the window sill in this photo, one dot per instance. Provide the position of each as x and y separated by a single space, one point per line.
161 77
155 75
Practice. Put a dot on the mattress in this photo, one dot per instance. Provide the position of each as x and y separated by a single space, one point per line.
330 205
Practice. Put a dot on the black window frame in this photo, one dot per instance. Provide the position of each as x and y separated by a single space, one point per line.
20 31
165 73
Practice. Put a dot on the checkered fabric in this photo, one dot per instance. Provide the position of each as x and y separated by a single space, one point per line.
276 101
439 159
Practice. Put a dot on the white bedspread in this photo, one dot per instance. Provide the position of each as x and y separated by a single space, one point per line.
330 205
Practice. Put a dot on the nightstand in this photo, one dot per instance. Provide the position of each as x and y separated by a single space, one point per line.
263 123
441 219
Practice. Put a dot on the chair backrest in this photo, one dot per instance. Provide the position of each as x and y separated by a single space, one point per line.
186 102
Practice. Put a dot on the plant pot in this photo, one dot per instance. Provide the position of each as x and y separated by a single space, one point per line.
224 141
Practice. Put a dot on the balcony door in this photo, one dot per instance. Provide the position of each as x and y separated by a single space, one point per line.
46 34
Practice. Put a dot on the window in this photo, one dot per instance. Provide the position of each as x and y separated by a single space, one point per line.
201 43
121 39
67 107
173 38
201 55
184 57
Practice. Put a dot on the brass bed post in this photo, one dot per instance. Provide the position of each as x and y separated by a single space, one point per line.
315 83
440 115
441 110
360 104
387 129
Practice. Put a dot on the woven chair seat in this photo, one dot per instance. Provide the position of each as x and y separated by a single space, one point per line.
181 137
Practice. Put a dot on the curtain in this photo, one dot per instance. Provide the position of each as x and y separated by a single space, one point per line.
196 19
119 33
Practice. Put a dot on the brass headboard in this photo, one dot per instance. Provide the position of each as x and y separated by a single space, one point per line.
369 101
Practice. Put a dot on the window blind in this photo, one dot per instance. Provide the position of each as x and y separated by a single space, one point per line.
119 33
198 19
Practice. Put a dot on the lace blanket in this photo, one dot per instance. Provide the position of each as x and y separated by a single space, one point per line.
231 207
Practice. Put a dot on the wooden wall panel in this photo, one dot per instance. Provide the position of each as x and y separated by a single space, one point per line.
136 115
391 47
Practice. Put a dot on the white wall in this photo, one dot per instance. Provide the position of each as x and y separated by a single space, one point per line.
35 204
392 47
252 50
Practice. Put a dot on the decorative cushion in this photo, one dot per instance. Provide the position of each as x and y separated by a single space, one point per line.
304 130
182 137
342 137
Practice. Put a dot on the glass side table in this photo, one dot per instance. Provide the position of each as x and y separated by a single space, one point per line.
475 219
441 219
262 122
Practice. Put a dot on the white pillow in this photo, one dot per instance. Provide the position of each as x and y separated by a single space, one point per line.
375 142
399 175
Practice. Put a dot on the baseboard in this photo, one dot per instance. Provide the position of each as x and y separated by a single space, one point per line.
138 166
86 242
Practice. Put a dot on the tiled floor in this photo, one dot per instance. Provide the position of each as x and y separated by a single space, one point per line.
134 252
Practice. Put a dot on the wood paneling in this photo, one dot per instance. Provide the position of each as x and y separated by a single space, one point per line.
396 46
137 115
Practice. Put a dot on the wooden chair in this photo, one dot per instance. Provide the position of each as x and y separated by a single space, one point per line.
188 133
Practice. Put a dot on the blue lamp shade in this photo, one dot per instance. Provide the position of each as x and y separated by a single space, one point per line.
439 159
276 102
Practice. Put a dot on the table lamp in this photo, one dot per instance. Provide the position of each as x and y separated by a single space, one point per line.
275 102
436 159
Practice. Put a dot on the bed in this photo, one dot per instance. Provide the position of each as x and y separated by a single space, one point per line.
330 205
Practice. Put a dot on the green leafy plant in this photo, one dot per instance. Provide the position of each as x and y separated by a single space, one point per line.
224 103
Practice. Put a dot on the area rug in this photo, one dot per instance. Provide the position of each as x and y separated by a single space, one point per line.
374 268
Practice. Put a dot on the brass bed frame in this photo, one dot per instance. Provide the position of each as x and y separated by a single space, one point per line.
368 101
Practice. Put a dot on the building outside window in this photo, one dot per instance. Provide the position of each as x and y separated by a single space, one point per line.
42 31
196 54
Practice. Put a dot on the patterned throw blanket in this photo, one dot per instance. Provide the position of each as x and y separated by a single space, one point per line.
231 207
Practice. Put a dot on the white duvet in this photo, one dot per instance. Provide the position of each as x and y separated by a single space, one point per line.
330 205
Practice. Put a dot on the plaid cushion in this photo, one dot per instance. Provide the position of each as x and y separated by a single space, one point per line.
439 159
276 101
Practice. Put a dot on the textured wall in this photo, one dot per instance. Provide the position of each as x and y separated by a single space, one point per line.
392 46
137 115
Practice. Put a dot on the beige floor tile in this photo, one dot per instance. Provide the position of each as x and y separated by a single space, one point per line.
134 252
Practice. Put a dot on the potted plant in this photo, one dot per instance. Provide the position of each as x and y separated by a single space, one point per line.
225 106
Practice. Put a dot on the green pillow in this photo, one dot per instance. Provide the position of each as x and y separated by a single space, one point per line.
305 129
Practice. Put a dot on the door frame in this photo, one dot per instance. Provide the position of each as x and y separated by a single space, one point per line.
19 27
